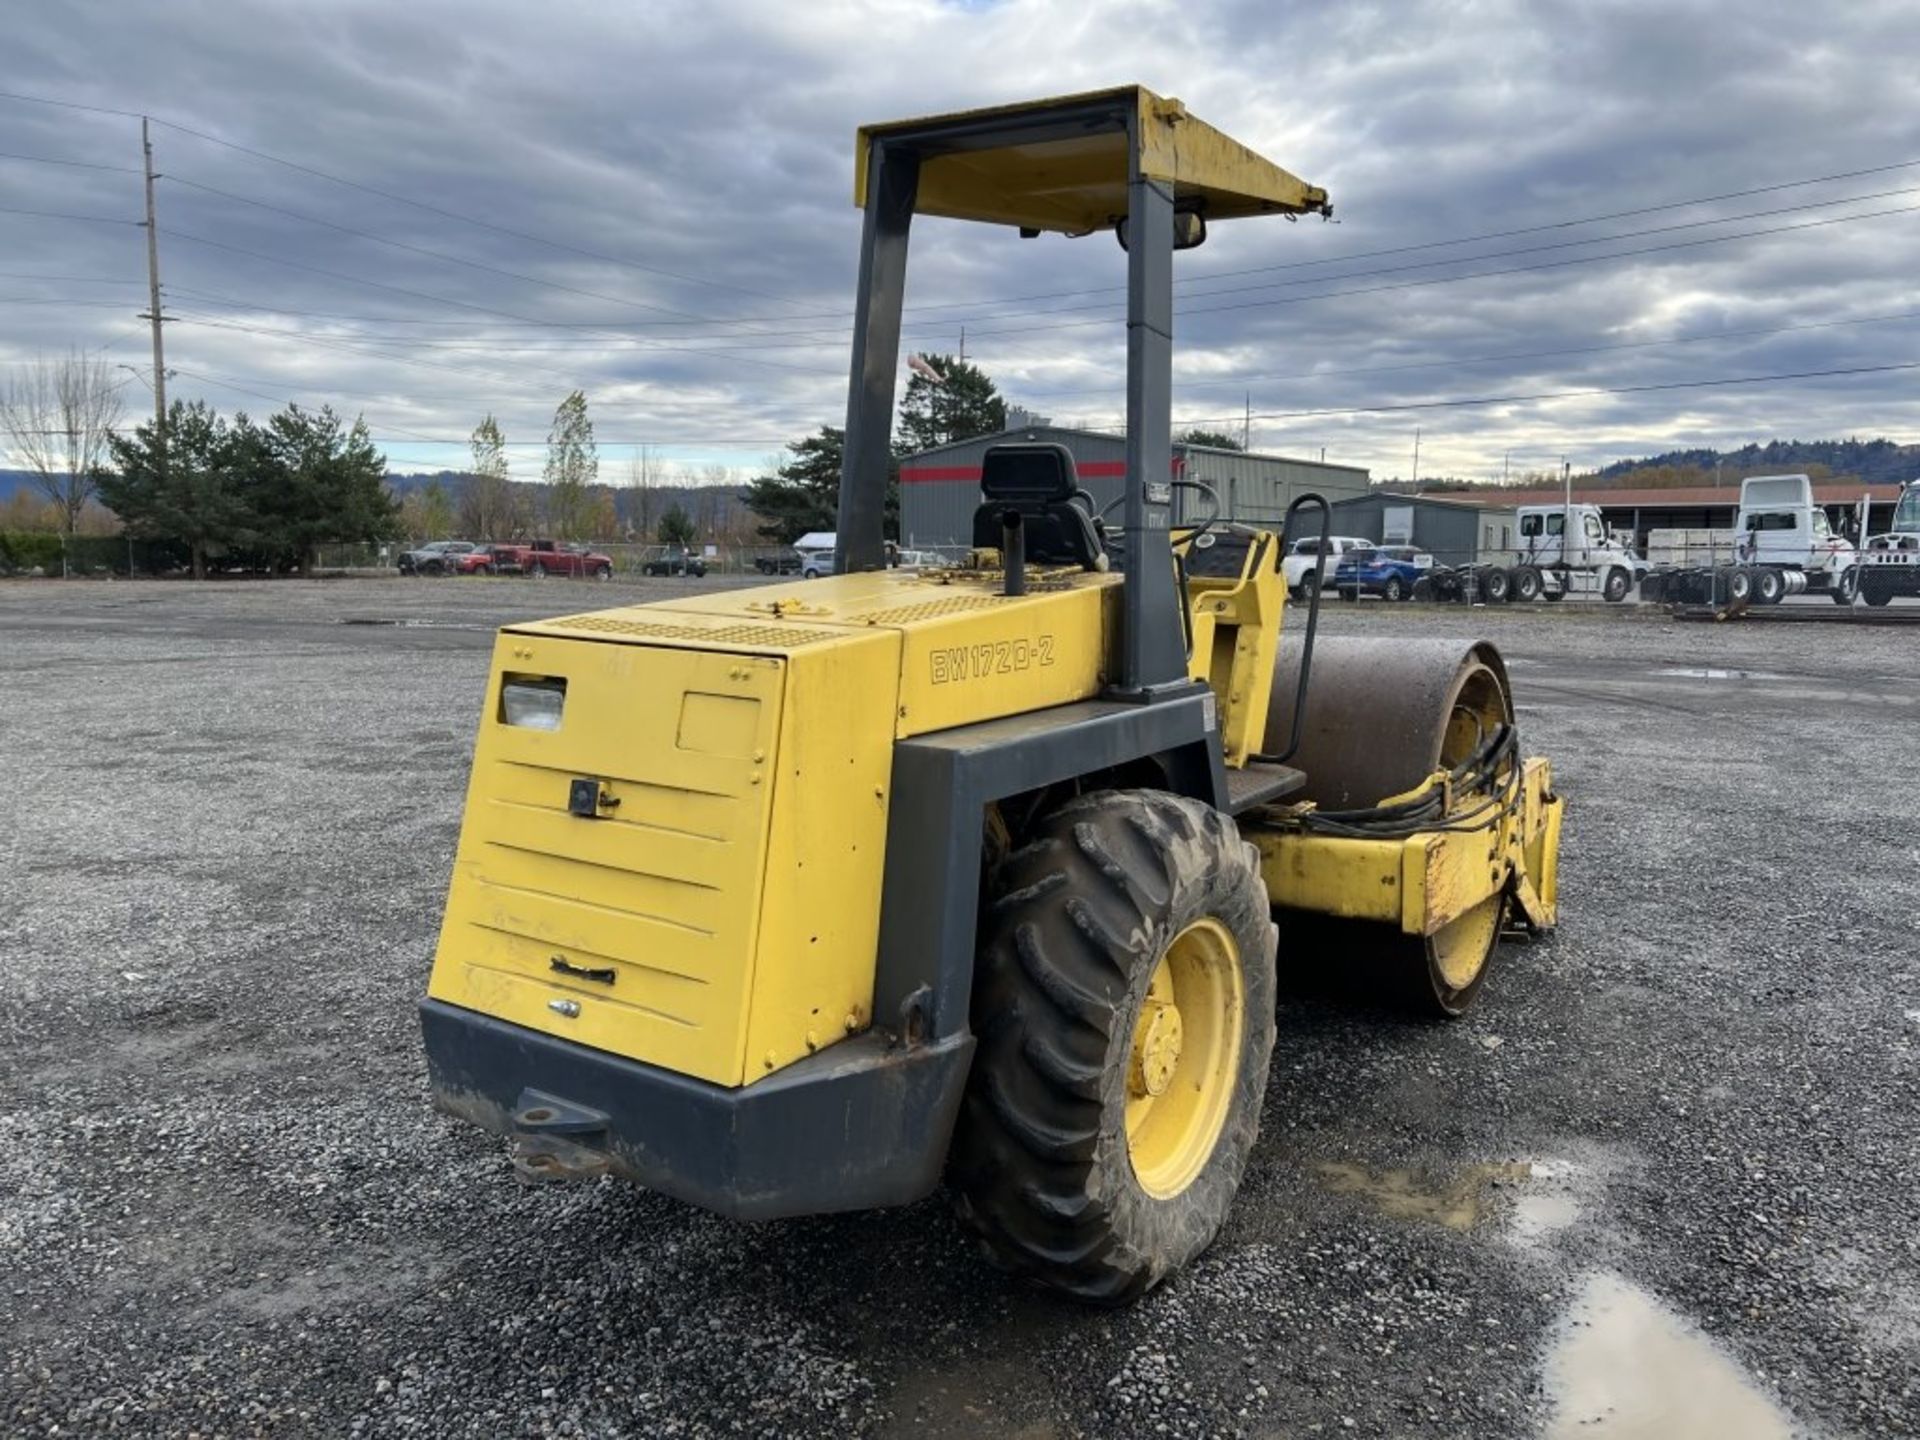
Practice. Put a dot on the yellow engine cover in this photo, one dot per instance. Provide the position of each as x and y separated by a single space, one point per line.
717 911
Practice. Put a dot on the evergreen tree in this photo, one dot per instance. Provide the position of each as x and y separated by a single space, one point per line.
324 483
965 405
676 526
1214 439
190 485
572 464
803 494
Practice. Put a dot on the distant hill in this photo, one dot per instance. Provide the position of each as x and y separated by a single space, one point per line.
1869 461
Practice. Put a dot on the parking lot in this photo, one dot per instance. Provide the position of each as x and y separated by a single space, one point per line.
226 1208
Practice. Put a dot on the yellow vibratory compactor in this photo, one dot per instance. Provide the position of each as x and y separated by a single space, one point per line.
796 898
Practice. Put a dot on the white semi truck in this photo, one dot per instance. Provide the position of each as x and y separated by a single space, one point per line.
1562 550
1890 562
1781 545
1568 550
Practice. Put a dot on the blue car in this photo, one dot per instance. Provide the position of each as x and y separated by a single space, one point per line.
1388 571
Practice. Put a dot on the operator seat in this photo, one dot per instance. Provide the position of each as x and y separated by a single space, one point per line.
1037 482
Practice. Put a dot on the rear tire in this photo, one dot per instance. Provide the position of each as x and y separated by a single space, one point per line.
1768 587
1124 1003
537 570
1615 587
1496 586
1393 590
1739 584
1527 585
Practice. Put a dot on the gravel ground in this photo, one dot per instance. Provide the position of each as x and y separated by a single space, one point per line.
226 1208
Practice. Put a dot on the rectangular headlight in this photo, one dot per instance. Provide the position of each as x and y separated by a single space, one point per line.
533 702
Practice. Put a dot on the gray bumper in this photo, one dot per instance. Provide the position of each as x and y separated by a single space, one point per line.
861 1124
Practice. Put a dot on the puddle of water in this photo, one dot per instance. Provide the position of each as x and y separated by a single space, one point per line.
399 624
1457 1200
1537 1216
1627 1368
1686 672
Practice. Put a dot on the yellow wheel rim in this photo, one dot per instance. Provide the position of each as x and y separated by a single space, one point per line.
1185 1058
1460 949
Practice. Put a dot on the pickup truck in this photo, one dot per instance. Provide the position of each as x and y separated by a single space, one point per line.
546 557
438 557
1300 564
785 562
677 561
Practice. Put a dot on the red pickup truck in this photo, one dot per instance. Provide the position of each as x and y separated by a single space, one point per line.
546 557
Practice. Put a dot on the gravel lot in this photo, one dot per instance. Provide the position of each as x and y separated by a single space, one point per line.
226 1208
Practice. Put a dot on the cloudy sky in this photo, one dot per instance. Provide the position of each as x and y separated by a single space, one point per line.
425 212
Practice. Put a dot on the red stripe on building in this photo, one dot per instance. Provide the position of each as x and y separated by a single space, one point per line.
921 474
926 474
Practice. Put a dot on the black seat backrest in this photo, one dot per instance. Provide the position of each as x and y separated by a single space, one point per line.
1038 482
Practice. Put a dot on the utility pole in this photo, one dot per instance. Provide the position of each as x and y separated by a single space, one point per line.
963 344
1246 425
1416 455
153 288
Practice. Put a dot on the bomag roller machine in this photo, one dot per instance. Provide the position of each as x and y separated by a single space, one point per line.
801 897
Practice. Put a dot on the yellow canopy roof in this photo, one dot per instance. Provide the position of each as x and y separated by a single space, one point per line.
1061 164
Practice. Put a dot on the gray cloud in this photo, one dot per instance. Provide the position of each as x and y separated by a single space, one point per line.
714 142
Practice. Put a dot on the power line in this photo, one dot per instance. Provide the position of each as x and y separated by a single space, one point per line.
350 348
63 215
1241 380
469 219
440 255
1558 394
69 279
67 104
69 304
1424 245
1462 402
1484 274
435 299
273 399
822 336
405 199
74 164
1534 250
1487 235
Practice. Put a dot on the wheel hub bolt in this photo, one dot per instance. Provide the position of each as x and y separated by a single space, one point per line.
1156 1049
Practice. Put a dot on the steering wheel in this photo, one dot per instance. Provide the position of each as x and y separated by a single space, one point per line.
1186 541
1200 485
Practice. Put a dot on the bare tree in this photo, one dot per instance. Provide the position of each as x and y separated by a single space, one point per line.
58 418
643 474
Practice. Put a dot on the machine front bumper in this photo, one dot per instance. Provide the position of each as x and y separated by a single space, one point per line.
862 1124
